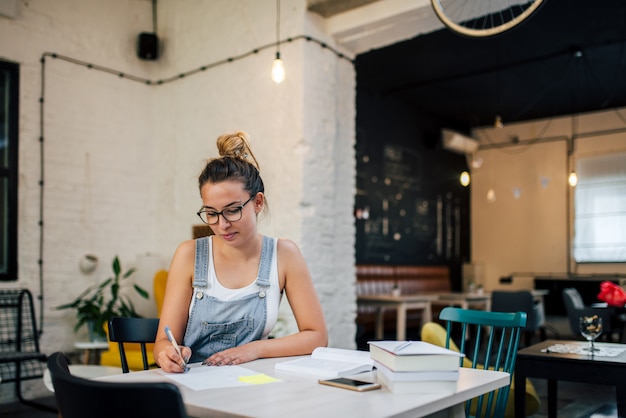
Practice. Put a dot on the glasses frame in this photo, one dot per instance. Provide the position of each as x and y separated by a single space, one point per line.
217 214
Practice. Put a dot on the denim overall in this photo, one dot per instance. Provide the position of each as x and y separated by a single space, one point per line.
215 325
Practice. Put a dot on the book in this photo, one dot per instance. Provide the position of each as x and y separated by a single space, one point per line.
414 356
421 376
417 382
329 363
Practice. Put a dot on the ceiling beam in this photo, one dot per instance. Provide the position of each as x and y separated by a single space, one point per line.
381 23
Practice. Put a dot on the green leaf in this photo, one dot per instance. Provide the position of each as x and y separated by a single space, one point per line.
116 266
141 291
129 272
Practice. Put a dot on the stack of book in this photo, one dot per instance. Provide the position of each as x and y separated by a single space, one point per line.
415 366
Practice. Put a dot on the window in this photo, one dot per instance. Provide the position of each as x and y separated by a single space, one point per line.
600 202
9 82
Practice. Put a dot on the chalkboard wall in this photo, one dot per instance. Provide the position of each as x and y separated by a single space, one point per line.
410 207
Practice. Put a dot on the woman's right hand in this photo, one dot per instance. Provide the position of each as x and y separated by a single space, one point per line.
170 361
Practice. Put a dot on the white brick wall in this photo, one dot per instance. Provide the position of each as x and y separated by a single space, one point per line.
122 158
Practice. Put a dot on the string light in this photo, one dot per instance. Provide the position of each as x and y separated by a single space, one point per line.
278 68
572 179
201 69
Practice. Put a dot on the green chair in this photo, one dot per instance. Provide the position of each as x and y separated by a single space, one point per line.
434 333
490 341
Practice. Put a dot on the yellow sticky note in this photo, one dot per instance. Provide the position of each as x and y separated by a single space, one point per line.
258 379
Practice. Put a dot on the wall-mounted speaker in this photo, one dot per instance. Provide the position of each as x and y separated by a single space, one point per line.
148 46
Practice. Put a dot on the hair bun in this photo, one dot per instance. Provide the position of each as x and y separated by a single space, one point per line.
236 145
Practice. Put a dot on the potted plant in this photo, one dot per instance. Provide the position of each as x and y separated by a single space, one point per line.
104 300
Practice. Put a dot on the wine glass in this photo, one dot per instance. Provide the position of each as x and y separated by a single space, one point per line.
590 328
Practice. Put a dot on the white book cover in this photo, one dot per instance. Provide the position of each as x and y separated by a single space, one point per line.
413 348
329 363
423 376
421 387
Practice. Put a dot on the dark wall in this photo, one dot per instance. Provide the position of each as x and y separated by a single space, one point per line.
410 207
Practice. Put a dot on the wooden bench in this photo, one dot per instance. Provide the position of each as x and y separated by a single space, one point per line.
381 279
20 357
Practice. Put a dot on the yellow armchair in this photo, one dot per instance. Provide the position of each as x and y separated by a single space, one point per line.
160 280
435 334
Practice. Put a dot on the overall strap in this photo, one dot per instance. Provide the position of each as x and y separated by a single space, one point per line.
201 268
265 264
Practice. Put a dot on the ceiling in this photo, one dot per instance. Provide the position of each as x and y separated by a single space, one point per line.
567 58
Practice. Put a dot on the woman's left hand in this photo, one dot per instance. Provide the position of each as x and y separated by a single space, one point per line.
232 356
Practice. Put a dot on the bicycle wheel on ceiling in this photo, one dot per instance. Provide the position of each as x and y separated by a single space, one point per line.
483 18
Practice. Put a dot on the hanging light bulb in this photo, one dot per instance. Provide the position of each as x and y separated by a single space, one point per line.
498 122
278 68
465 179
572 179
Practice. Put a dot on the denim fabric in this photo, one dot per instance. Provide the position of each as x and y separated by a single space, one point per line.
215 325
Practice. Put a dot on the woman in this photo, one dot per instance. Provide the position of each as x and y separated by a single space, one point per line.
223 291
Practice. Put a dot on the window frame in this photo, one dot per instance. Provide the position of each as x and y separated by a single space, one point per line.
9 272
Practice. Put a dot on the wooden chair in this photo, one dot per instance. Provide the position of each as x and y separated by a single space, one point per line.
79 398
133 330
495 352
434 333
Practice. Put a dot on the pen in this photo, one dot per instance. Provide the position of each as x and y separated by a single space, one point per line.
403 345
170 337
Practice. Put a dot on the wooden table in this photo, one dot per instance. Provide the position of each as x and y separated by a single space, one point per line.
536 361
467 300
301 396
477 300
401 304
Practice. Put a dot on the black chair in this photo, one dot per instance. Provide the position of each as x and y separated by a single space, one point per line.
20 356
575 308
522 301
133 330
79 398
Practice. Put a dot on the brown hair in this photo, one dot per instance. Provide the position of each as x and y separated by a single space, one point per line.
236 162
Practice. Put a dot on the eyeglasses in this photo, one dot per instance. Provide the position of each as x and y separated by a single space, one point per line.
231 213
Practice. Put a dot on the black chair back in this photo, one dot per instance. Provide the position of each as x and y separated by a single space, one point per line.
78 398
520 301
133 330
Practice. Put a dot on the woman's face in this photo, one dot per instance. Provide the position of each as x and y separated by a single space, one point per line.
226 198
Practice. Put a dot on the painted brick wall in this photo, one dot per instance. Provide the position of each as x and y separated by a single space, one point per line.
121 158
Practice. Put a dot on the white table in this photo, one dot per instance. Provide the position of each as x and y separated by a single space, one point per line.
301 396
401 304
91 347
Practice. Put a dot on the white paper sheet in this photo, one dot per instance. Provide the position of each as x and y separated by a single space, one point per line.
201 377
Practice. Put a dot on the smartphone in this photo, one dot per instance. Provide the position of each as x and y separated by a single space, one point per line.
352 384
